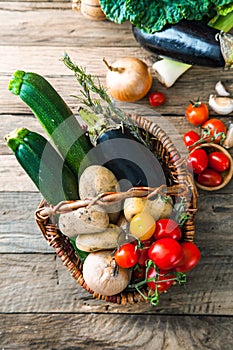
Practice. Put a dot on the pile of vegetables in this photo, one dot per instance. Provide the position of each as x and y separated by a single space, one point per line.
131 243
179 33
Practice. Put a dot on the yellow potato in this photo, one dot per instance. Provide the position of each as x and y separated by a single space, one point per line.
158 208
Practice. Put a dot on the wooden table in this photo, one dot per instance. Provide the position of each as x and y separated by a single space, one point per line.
41 306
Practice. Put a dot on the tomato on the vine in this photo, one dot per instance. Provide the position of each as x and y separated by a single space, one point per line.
197 113
138 273
190 259
127 255
190 138
197 160
218 161
156 98
161 280
143 256
167 228
210 178
142 226
213 129
165 253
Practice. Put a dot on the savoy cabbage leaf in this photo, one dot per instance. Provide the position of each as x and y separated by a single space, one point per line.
153 15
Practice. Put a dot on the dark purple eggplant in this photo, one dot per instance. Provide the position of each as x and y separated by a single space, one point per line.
190 42
132 163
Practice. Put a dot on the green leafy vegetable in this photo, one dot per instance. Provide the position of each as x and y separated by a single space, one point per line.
153 15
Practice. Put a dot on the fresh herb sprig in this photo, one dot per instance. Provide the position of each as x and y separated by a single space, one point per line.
91 85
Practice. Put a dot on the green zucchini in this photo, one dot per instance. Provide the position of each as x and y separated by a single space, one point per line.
44 165
56 118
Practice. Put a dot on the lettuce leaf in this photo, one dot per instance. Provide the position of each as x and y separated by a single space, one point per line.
153 15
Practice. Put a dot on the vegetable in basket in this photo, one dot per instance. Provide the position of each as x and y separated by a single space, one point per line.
56 118
131 162
44 165
120 147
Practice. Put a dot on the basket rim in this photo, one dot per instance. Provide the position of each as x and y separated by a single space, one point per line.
62 244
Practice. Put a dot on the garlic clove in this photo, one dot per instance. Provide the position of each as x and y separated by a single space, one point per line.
221 104
228 142
221 90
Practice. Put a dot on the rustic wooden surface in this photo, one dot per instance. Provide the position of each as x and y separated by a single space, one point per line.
41 306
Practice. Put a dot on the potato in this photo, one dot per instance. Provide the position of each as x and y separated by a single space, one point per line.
99 241
157 207
83 221
97 179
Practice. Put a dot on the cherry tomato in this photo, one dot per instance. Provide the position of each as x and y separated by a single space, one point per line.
167 228
156 99
165 253
191 257
218 161
209 178
211 128
138 273
197 161
142 226
159 277
143 256
127 255
190 138
197 113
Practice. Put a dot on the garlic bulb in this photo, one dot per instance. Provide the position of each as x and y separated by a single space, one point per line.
221 104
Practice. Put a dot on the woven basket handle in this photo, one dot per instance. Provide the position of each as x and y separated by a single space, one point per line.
106 198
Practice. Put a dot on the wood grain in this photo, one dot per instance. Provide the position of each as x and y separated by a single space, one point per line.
121 332
19 232
41 305
39 283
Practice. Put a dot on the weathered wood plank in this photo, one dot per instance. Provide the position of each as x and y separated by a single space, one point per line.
173 126
40 283
35 24
50 66
18 229
121 332
14 178
19 232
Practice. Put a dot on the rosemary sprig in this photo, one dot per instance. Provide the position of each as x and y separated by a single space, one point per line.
91 84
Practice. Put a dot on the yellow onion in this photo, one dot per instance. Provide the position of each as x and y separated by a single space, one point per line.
128 79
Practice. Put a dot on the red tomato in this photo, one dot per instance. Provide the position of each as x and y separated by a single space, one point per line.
138 273
143 256
165 253
197 113
156 99
167 228
209 178
197 160
191 257
211 128
159 277
190 138
218 161
127 255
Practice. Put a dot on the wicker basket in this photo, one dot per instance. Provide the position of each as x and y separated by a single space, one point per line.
181 186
